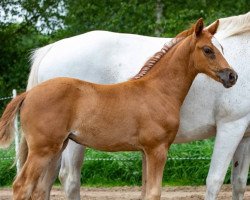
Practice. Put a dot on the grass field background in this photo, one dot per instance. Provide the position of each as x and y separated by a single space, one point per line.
184 166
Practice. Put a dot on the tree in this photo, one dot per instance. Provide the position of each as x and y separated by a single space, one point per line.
19 34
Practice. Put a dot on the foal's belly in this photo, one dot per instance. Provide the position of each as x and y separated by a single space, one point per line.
107 142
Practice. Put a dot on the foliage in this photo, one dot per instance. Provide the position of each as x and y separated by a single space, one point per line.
137 16
7 172
133 16
176 19
17 42
43 14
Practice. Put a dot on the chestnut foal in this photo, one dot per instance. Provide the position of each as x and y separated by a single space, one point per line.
141 114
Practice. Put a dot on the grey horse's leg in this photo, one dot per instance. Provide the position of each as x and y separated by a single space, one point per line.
70 171
240 168
228 137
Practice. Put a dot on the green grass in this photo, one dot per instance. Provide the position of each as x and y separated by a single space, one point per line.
7 172
124 168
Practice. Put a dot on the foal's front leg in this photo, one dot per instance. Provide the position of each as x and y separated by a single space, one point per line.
155 161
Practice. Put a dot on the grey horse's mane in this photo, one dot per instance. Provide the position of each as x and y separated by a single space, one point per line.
233 25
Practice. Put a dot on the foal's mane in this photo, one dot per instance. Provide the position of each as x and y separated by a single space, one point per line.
233 25
158 55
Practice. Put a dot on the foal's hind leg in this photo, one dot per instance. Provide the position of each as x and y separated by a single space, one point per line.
26 181
45 183
240 165
42 151
47 179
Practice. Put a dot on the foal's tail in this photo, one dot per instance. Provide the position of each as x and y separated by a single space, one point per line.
7 120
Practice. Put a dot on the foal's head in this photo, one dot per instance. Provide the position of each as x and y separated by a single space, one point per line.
207 54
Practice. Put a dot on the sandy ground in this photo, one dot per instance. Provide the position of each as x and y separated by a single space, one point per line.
133 193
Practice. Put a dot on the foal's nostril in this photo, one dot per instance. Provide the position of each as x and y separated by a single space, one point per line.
232 76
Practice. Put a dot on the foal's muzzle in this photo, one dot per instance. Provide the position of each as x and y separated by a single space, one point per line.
228 77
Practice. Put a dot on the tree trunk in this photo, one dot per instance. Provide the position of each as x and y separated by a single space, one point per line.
158 12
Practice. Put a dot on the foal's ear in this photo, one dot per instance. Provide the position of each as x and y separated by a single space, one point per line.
198 27
213 27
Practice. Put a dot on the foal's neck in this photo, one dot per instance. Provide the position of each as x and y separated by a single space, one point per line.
174 73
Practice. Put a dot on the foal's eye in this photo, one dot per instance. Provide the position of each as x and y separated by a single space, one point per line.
208 51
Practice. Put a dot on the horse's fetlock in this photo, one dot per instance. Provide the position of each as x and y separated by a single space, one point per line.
239 184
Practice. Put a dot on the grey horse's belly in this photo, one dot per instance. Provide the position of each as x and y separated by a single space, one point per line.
198 133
